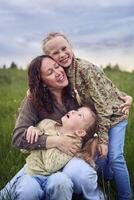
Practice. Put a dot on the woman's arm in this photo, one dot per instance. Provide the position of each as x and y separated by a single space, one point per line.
27 117
64 143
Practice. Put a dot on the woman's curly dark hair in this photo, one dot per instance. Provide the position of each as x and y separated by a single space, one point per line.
41 95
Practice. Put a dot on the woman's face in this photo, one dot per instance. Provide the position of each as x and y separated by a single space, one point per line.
53 74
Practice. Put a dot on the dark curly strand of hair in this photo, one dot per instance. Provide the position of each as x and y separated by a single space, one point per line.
41 95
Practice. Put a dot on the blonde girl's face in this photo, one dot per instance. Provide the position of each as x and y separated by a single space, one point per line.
79 119
60 50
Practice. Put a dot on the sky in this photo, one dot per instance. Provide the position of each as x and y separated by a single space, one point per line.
101 31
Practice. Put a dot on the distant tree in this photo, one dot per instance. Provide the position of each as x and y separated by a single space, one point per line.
116 67
13 65
4 66
108 67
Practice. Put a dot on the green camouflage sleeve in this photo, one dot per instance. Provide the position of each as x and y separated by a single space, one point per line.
100 90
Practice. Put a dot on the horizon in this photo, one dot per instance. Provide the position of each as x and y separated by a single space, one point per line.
115 66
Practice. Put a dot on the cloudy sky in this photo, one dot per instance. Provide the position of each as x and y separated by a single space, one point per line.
101 31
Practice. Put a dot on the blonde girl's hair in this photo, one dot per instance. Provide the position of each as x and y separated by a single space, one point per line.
50 36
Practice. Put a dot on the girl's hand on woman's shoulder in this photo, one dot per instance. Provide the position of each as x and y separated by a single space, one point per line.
32 134
127 104
28 94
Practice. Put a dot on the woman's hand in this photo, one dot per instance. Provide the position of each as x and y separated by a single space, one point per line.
127 104
32 134
69 145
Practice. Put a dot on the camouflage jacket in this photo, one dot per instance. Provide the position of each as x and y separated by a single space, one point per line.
94 87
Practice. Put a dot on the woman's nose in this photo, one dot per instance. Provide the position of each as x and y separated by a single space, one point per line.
57 73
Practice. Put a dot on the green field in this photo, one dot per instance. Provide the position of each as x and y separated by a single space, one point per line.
13 86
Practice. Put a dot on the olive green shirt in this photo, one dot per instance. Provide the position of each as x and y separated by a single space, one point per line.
48 161
95 88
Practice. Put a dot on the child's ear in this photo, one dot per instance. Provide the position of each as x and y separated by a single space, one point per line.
80 133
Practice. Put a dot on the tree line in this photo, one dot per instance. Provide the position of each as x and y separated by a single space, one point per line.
109 66
13 65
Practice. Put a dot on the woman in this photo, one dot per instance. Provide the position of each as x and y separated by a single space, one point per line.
51 98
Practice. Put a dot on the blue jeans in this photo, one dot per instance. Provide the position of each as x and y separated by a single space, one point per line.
76 176
84 179
114 165
22 186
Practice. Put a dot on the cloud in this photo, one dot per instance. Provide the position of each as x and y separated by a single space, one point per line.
98 25
109 3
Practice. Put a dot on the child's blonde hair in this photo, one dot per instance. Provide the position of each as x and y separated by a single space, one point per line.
90 140
93 127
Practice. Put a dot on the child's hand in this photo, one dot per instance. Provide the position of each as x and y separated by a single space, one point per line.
32 134
29 95
126 105
103 150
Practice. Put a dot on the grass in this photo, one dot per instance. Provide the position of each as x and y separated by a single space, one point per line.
13 86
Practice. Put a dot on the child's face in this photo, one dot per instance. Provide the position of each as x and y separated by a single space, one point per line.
60 50
76 120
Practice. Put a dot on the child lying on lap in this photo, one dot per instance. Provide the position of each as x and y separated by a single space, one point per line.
79 123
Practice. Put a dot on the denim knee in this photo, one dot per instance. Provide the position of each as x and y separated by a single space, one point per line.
28 188
59 180
81 174
59 186
88 178
85 180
